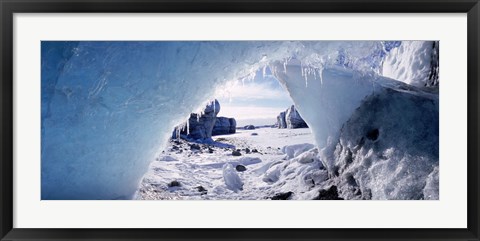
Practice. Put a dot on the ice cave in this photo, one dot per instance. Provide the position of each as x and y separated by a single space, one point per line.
107 108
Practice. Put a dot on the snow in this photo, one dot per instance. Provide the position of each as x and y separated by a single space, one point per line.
411 62
231 178
215 172
294 150
108 108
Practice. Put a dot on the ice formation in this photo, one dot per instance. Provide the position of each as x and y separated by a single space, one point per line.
359 129
231 178
108 107
385 152
413 62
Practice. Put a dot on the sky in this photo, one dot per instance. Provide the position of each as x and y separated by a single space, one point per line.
253 102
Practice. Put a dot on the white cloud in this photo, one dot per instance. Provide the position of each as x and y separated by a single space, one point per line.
250 91
253 102
250 112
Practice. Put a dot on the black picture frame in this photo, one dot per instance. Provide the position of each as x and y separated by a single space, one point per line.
9 7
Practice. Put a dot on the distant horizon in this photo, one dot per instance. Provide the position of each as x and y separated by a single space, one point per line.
255 122
256 101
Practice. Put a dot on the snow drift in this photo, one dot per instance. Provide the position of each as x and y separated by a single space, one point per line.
108 107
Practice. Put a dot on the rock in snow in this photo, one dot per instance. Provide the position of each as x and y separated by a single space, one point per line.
293 119
224 125
240 168
329 194
205 125
249 127
174 184
290 119
281 120
282 196
202 190
200 126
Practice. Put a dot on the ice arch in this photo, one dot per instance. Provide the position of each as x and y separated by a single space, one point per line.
107 107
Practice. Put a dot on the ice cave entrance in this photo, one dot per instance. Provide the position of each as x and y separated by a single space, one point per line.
246 124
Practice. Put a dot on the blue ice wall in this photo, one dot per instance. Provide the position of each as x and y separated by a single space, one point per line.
107 107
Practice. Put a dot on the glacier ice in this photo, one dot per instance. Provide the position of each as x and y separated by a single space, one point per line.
385 152
320 104
413 62
347 112
109 107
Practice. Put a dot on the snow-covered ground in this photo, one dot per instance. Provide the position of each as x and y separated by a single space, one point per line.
209 171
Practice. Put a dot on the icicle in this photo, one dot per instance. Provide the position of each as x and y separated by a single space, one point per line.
320 74
253 75
306 80
188 126
214 106
177 131
264 71
306 74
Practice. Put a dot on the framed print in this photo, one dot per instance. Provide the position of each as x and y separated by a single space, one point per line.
261 120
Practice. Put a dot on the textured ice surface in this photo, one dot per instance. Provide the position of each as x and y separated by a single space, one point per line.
108 107
328 100
231 178
413 62
386 152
